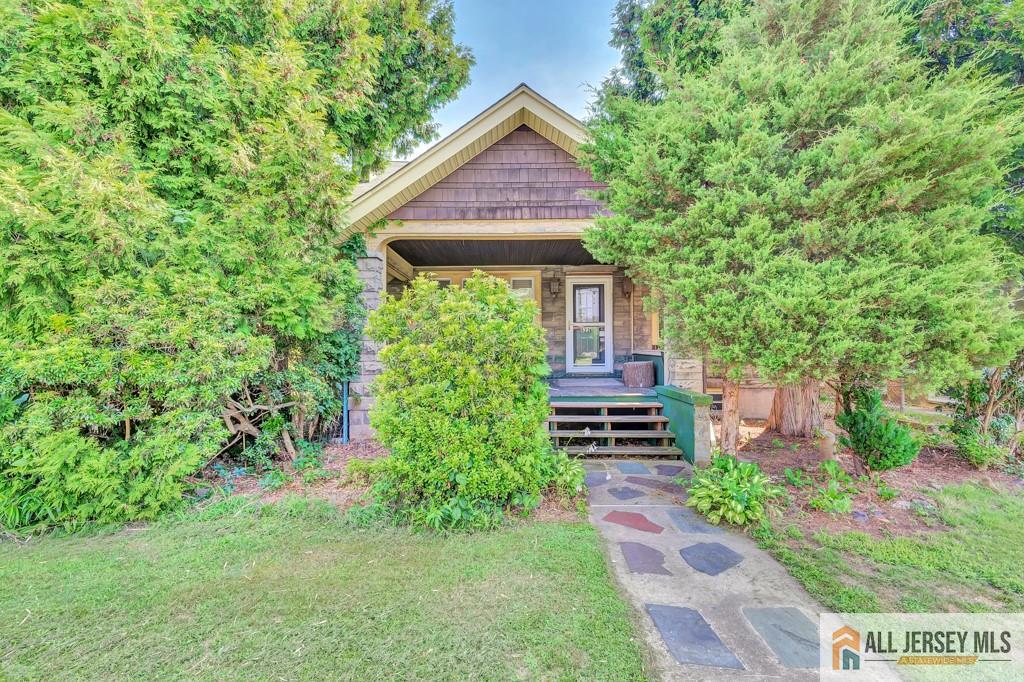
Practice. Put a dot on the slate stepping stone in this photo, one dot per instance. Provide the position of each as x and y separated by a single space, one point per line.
710 557
632 468
633 520
788 633
643 559
625 493
663 486
689 521
668 470
596 478
689 637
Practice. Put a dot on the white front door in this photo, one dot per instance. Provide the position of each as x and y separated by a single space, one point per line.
588 334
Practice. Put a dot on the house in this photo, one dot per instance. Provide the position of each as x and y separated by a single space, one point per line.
504 194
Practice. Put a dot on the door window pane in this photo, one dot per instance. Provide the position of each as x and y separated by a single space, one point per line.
588 346
587 303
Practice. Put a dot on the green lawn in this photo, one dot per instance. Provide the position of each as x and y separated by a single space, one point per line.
292 592
972 564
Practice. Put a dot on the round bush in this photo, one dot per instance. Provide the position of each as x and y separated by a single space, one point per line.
878 440
461 405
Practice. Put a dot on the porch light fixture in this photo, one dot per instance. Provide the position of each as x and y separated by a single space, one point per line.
627 286
555 285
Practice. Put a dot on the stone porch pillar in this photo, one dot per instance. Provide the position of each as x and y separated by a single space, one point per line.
370 270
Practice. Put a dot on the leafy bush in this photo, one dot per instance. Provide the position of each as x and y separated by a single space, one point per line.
461 405
880 441
173 254
986 411
981 450
731 490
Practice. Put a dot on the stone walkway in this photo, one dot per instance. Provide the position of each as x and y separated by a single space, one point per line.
712 605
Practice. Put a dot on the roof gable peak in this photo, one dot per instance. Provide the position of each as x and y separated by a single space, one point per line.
521 106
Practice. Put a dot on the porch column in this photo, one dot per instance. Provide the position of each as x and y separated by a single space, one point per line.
684 369
370 270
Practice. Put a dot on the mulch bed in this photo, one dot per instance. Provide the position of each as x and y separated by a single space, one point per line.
911 512
340 489
344 492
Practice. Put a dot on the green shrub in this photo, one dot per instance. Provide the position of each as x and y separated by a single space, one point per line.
985 408
173 251
461 405
880 441
731 490
981 450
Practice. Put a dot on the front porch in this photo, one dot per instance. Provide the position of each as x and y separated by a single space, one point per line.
592 314
575 387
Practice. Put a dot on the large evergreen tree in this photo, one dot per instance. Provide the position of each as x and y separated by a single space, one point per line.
811 203
173 177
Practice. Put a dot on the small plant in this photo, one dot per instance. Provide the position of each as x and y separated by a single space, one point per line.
886 492
274 479
832 498
834 472
797 477
880 441
728 489
309 463
777 444
228 477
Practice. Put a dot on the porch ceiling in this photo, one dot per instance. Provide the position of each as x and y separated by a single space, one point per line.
471 252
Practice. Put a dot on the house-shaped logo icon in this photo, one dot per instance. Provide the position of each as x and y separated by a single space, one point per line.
846 649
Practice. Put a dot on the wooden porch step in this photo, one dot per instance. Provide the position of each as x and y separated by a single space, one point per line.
607 419
605 433
625 450
569 404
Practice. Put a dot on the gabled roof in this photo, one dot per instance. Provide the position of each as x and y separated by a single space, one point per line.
376 199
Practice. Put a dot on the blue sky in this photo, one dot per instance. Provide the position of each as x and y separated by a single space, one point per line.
557 47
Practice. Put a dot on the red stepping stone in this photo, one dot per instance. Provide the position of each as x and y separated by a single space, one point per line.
633 520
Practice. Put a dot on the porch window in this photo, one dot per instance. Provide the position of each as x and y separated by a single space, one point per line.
522 287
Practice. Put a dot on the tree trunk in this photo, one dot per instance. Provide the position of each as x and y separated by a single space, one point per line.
796 409
730 416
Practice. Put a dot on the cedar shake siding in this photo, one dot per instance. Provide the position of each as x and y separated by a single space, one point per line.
522 176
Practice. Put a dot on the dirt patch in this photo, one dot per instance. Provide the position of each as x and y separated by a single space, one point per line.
911 512
555 508
338 488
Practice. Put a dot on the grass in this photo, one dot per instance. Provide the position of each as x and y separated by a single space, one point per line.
293 592
973 565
